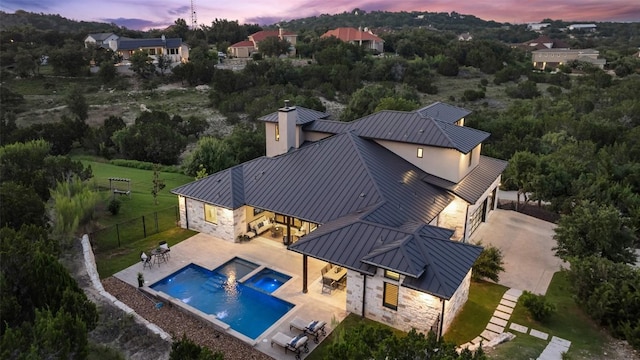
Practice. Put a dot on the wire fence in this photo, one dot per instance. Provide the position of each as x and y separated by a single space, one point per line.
120 234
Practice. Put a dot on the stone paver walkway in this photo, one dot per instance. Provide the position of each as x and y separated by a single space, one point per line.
500 320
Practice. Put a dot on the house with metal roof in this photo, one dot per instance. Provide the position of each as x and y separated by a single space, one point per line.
177 50
391 197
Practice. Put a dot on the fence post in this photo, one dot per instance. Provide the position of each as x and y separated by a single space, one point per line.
118 233
144 227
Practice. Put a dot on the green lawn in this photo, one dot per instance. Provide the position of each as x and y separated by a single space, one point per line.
484 297
141 200
568 322
112 261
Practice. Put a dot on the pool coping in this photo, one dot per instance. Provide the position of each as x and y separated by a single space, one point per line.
212 319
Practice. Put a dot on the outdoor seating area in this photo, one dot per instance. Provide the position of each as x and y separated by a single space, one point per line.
333 278
315 328
157 256
296 344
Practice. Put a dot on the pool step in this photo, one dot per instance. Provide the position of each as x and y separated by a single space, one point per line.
215 283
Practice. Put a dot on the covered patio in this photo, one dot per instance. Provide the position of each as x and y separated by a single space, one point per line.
210 252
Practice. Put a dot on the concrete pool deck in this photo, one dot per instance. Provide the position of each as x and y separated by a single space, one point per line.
210 252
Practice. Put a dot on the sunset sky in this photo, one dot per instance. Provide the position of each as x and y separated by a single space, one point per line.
145 14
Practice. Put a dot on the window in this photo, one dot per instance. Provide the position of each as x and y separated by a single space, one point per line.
277 132
420 151
152 51
210 214
391 275
390 297
470 157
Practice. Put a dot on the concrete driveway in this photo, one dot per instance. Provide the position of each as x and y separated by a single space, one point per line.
526 244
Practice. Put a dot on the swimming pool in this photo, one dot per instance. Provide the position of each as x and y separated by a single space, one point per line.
267 280
217 292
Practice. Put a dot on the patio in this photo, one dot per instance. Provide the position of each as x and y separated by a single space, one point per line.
211 252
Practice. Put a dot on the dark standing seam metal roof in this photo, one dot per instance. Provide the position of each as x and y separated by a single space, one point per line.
407 127
471 188
132 44
304 116
431 264
327 180
443 112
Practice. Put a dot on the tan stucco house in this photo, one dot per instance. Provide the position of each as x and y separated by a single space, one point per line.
246 48
364 38
391 197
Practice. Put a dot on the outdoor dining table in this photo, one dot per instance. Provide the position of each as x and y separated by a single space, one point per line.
158 255
336 275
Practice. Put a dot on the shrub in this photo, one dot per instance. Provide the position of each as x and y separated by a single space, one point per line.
185 349
489 264
472 95
114 206
537 305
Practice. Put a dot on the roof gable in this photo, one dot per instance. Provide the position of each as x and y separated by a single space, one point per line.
431 264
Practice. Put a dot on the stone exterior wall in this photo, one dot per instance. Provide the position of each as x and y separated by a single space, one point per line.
453 217
454 305
192 217
415 309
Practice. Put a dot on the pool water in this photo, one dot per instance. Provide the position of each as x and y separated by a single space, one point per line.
267 280
236 268
246 310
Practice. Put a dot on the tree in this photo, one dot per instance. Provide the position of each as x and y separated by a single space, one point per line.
77 103
107 72
394 103
71 59
20 205
25 63
142 64
211 153
595 230
164 63
520 173
274 46
489 264
158 184
364 101
448 67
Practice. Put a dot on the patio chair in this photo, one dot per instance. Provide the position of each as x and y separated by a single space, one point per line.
342 284
328 285
163 245
315 328
146 260
295 344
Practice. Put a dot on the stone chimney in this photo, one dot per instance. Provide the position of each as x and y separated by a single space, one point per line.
287 118
280 34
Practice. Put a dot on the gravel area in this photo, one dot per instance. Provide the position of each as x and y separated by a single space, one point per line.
176 322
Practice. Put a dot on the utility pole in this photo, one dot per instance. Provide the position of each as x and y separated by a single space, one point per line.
194 20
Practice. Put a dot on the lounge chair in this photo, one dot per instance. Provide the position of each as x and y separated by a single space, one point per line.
295 344
315 328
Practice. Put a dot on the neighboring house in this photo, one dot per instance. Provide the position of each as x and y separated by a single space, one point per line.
173 47
552 58
356 36
244 49
465 37
543 42
384 197
584 27
100 39
537 26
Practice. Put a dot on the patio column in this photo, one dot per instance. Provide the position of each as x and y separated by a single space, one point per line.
305 270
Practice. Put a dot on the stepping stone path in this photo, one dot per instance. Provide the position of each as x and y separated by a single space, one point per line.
499 322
